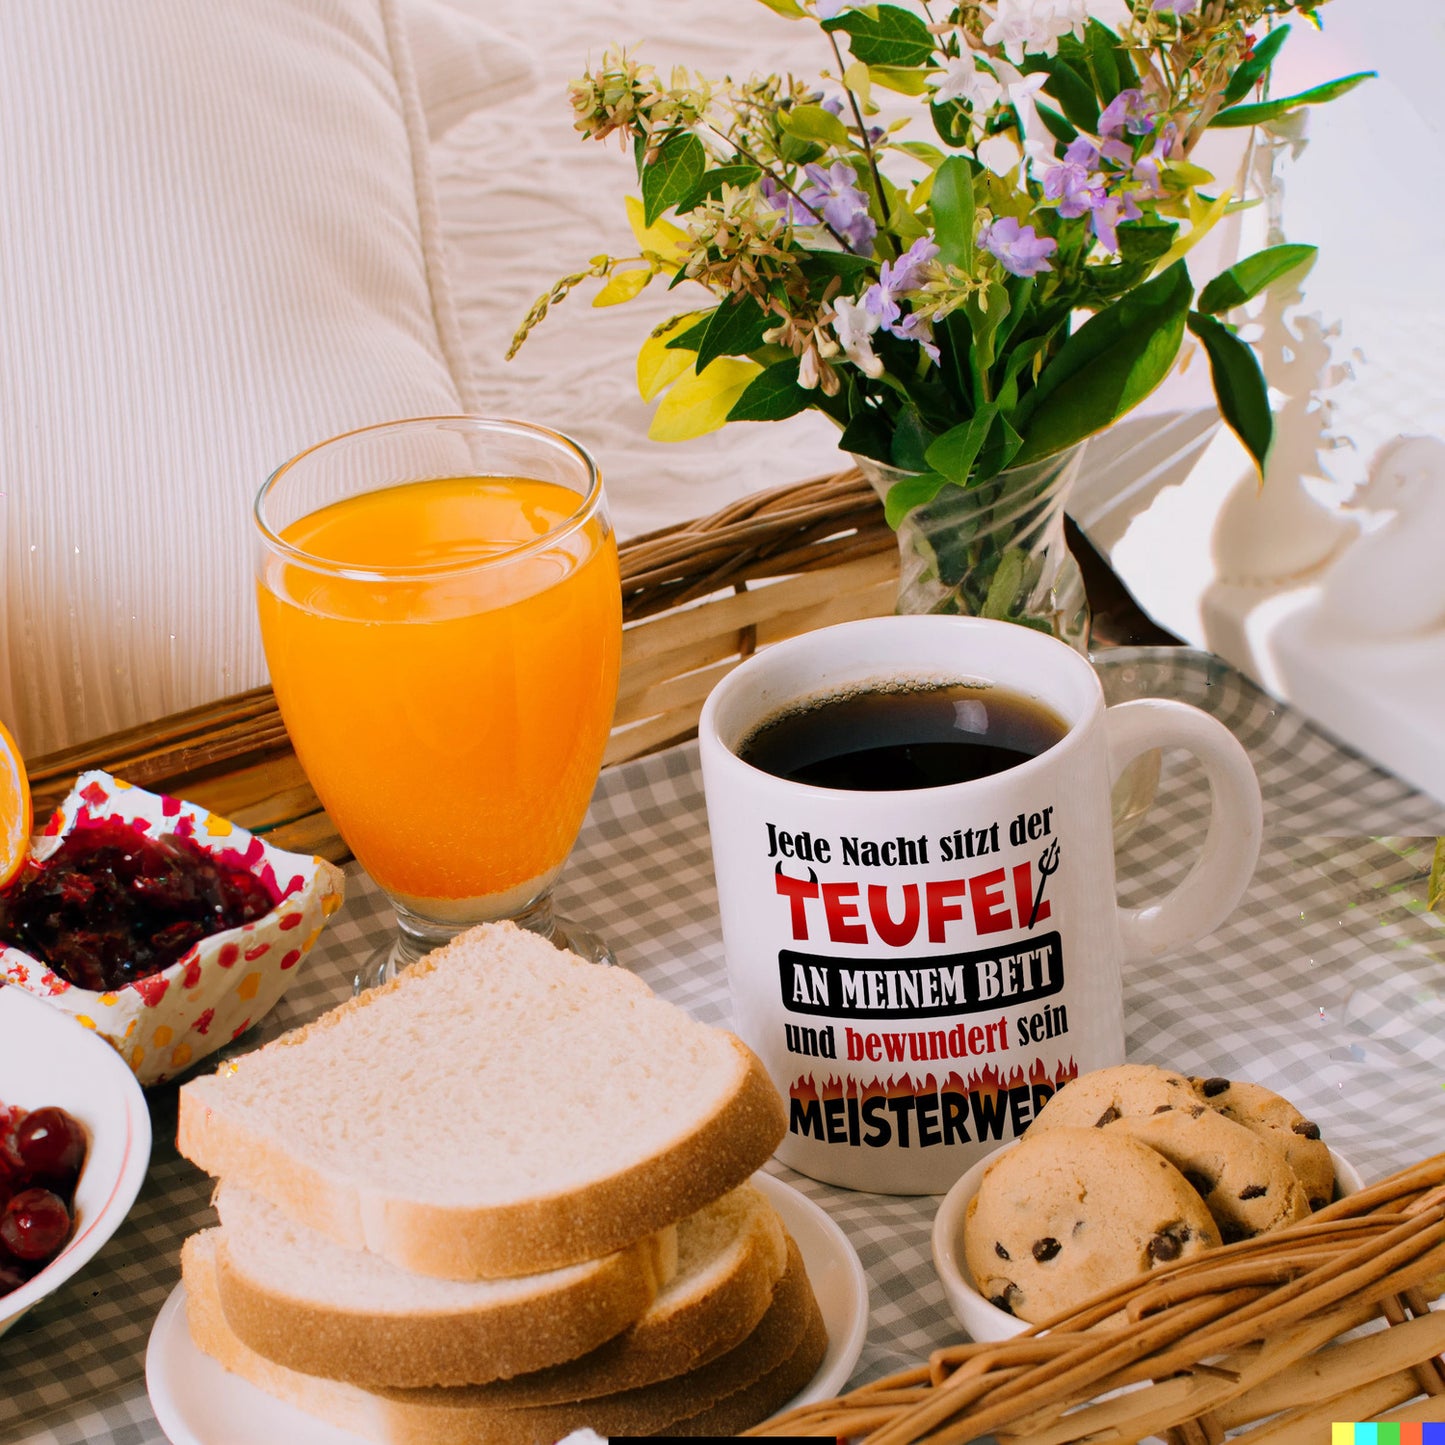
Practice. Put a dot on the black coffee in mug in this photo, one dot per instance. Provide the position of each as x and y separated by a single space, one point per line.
902 735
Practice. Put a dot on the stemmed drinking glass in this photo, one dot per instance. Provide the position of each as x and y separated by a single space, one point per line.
441 613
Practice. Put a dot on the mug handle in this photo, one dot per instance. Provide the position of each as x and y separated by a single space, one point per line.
1215 884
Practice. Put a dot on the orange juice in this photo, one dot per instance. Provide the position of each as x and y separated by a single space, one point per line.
450 698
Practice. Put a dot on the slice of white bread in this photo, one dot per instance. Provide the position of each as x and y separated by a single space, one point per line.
730 1256
305 1302
500 1108
730 1392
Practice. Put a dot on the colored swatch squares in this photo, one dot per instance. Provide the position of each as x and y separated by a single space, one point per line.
1384 1433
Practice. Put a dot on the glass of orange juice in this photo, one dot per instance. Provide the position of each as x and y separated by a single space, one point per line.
442 617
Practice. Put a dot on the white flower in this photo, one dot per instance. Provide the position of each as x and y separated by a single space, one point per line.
966 79
1033 26
854 325
999 154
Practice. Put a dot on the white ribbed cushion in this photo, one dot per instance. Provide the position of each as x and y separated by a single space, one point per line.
461 65
218 245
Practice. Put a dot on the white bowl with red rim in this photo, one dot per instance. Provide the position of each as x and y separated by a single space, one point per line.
982 1320
46 1058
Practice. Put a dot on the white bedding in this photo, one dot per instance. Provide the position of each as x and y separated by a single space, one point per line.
525 200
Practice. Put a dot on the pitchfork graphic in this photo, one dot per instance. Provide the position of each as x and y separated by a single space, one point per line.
1048 863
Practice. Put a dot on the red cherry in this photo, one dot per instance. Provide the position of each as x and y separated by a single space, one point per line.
51 1145
12 1276
34 1225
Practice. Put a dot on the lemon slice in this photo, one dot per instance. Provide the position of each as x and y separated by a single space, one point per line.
15 813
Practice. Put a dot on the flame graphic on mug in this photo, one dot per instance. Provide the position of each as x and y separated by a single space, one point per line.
987 1081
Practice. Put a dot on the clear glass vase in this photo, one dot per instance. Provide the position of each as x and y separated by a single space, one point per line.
994 548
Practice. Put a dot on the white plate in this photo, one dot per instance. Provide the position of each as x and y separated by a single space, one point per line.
199 1403
48 1058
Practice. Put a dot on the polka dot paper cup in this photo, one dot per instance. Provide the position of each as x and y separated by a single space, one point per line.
224 983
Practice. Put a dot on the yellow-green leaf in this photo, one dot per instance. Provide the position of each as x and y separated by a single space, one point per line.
1202 218
662 238
696 405
789 9
623 286
900 78
659 365
857 79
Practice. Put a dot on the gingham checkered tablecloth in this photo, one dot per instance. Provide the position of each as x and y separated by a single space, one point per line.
1328 984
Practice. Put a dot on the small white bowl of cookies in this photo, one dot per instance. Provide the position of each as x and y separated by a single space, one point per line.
1125 1169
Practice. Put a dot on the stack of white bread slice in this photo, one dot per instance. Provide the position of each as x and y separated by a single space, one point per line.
501 1198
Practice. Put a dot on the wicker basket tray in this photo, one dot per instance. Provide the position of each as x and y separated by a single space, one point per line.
1280 1336
697 598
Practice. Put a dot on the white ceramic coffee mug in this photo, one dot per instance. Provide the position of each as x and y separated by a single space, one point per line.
919 970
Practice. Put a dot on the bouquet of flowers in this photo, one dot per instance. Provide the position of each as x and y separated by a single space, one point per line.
966 244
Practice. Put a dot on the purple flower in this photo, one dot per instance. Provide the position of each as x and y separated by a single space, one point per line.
834 194
1082 152
1076 188
1146 169
917 328
1131 111
1176 7
909 271
878 301
897 279
1020 249
1108 216
779 198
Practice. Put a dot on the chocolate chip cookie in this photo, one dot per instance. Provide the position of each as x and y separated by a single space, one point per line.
1245 1183
1068 1212
1278 1122
1103 1095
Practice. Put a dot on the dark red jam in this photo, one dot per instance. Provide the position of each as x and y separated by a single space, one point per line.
41 1154
112 905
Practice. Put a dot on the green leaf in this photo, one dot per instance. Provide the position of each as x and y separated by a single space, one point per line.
1005 584
1109 365
1252 71
984 323
813 123
868 434
691 339
912 491
1238 115
899 78
953 454
952 122
951 202
1145 241
672 174
710 183
1247 278
1099 54
1000 449
1074 94
788 9
885 35
773 395
921 150
1056 125
911 440
1435 894
1239 385
734 329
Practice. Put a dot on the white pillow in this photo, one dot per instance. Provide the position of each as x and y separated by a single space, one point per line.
218 245
460 64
